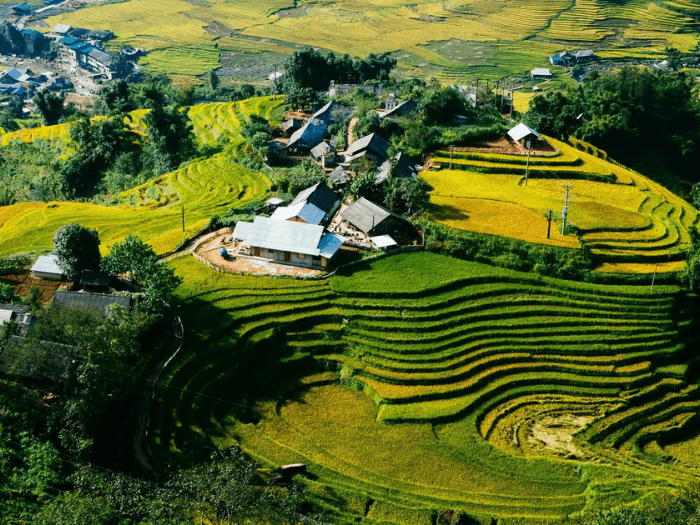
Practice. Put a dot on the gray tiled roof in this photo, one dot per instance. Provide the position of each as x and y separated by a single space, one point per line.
339 175
371 142
285 236
100 301
322 148
365 215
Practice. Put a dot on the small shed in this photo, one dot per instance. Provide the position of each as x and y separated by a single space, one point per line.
461 119
324 153
47 267
339 177
556 60
383 242
524 134
541 73
291 125
95 281
20 10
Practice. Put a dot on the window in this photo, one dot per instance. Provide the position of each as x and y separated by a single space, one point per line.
301 256
270 251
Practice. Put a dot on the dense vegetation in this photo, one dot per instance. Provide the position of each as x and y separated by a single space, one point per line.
642 117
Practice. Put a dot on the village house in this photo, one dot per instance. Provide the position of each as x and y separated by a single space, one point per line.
47 267
524 135
375 220
324 154
288 242
289 126
541 73
100 301
393 109
404 167
20 10
313 132
75 53
17 313
343 90
373 145
339 177
314 205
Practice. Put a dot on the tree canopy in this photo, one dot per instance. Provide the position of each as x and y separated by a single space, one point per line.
77 249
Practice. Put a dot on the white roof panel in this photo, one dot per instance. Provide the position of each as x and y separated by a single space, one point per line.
47 264
383 241
60 28
521 131
280 235
5 316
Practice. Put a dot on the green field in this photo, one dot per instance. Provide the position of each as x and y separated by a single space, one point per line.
449 40
623 217
205 187
418 383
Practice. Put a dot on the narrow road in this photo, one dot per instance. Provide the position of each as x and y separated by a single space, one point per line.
351 131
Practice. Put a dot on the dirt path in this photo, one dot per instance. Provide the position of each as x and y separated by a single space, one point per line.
351 131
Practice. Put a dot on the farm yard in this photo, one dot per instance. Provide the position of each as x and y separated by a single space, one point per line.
621 216
153 210
488 373
447 40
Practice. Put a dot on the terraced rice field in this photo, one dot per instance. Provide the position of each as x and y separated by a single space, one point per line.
623 217
205 187
510 396
524 34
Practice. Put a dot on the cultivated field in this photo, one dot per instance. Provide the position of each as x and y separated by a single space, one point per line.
622 216
205 187
449 40
520 397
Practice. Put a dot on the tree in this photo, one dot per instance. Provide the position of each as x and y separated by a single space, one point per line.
213 80
7 293
50 105
407 195
138 259
170 139
674 58
439 105
77 249
305 174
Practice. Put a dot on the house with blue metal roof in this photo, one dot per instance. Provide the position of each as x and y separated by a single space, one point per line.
20 10
287 242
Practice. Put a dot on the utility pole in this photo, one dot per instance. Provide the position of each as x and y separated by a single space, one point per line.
498 83
512 94
274 81
656 266
527 166
565 211
503 94
451 148
183 219
549 223
476 95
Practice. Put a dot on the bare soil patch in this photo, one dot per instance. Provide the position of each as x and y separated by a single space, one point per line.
22 282
504 146
556 433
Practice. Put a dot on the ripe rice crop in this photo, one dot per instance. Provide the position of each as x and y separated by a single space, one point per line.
475 366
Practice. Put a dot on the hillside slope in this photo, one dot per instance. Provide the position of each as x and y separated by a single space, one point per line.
520 396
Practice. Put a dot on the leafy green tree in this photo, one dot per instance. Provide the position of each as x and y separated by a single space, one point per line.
170 139
77 249
114 97
407 195
440 105
674 58
7 293
305 174
50 105
213 80
138 259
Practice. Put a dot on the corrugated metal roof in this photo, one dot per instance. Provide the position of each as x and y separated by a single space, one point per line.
100 56
47 264
324 113
339 175
541 72
5 316
67 40
274 201
365 215
383 241
285 236
60 28
320 195
322 148
309 135
521 131
306 211
330 244
100 301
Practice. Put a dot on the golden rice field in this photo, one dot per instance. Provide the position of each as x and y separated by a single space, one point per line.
629 222
511 397
152 211
183 36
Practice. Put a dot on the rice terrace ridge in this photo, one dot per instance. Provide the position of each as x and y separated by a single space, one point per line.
350 262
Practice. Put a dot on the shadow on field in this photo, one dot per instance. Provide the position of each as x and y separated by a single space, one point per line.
221 377
448 213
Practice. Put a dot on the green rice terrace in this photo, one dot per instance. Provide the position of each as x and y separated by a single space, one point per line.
205 187
414 384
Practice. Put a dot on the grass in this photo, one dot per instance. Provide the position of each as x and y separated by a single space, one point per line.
205 187
450 40
474 366
629 222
